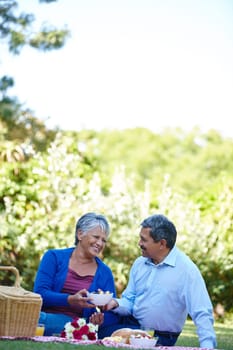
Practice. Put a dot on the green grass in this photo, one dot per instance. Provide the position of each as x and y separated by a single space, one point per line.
188 338
224 335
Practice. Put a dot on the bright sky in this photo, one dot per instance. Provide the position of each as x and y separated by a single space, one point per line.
128 63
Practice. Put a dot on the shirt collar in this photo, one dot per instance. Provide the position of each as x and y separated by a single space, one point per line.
171 257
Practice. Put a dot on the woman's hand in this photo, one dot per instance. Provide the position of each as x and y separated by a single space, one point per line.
97 318
80 299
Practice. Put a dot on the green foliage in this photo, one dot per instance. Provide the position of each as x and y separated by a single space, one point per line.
9 106
42 196
17 30
192 160
206 238
49 39
50 178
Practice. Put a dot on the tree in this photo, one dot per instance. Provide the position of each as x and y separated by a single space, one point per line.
16 31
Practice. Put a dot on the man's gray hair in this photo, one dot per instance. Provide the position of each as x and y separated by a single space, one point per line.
161 228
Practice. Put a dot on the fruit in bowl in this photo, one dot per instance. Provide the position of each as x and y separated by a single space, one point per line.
100 298
140 341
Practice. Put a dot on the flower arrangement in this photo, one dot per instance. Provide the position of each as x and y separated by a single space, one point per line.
79 329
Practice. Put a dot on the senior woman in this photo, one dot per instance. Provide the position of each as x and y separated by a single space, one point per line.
65 275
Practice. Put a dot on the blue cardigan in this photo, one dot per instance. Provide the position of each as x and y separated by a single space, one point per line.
51 277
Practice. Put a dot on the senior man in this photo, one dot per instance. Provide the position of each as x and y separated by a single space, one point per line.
165 286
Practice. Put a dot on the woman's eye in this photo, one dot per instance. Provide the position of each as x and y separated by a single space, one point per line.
103 240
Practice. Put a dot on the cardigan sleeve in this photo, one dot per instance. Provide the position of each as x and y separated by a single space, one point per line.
103 279
45 282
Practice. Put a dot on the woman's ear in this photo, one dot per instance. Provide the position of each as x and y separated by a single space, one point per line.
79 235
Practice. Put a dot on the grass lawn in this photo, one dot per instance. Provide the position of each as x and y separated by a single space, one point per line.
188 338
224 335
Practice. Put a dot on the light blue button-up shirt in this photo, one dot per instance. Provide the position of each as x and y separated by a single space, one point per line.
161 296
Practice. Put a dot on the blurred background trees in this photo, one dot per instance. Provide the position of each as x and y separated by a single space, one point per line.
44 193
49 178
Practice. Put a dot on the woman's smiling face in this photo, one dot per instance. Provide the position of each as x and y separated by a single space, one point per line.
93 241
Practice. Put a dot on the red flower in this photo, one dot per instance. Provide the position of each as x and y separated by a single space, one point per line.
77 334
74 323
84 330
73 330
92 336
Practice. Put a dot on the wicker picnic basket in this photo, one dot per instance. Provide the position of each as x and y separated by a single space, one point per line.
19 308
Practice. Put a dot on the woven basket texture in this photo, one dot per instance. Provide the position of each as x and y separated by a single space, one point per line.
19 308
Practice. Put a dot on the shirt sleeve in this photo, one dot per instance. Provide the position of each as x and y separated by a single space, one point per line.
200 309
126 302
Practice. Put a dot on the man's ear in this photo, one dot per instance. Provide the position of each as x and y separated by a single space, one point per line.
163 243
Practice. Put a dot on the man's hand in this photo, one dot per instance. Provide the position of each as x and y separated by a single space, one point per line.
111 305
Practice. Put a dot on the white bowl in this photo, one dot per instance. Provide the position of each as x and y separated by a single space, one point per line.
143 342
100 299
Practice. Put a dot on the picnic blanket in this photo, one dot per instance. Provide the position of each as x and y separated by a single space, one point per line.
107 343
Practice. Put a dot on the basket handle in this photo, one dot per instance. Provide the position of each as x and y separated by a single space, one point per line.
15 271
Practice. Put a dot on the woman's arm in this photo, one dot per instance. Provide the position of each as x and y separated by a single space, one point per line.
45 282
